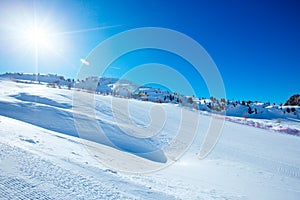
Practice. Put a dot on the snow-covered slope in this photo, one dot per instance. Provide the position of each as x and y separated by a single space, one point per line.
128 89
43 157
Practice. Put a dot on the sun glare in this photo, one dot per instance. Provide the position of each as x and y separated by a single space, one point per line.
37 36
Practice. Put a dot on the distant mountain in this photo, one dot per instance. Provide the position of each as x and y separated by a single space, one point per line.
126 89
293 100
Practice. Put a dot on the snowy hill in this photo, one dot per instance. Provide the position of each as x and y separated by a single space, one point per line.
260 115
43 157
128 89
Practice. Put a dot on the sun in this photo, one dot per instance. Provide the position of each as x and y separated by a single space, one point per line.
37 36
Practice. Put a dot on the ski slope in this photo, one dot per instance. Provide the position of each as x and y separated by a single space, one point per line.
43 157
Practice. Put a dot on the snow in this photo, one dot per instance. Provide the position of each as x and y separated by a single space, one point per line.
43 157
127 89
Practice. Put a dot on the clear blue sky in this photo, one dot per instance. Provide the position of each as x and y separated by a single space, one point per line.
255 44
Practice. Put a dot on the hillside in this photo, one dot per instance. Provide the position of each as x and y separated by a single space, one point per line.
252 113
293 100
43 156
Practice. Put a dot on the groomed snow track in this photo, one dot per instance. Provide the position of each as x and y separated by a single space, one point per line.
31 177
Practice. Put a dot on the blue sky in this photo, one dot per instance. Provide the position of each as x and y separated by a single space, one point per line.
255 44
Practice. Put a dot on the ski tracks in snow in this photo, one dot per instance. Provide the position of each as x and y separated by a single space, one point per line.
24 175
